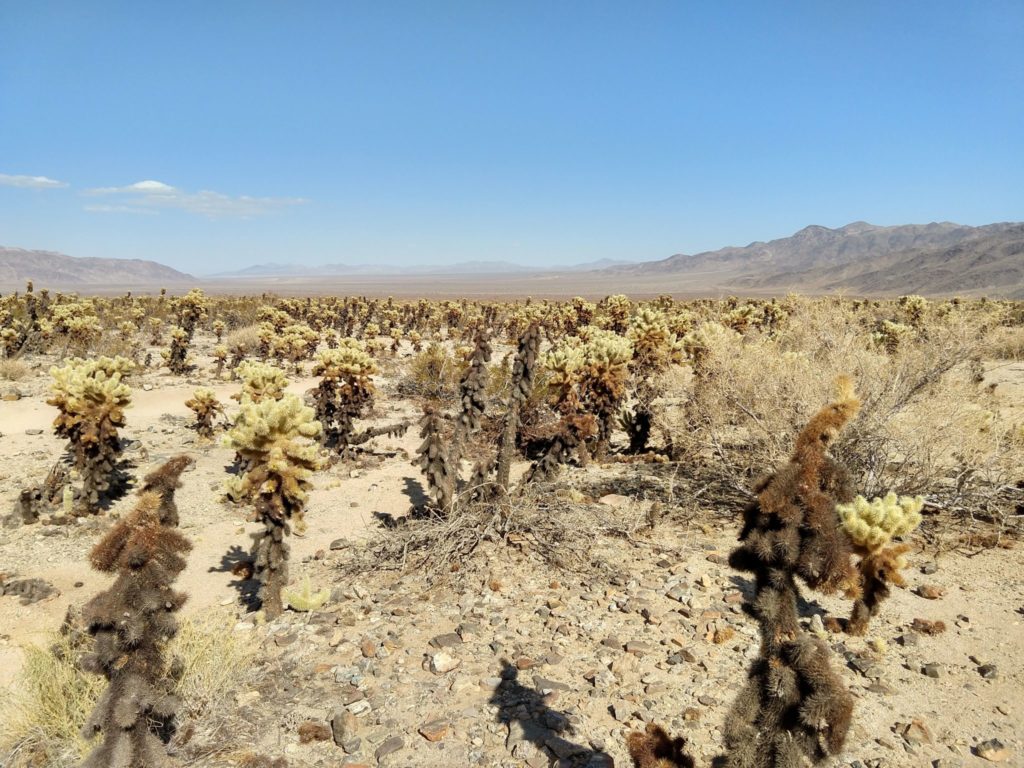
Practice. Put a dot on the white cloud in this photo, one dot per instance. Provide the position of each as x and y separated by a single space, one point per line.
30 182
117 209
150 195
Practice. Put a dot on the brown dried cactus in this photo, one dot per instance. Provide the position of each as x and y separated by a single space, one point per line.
131 623
432 459
793 708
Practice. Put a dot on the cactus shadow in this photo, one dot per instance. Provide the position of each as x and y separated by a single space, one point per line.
238 561
531 720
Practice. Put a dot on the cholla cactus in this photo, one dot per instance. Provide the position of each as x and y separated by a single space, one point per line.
655 348
131 623
603 378
914 308
273 440
176 356
260 381
794 708
191 309
473 385
871 525
91 397
220 357
294 343
432 458
306 599
206 407
218 328
521 385
889 335
78 324
345 392
700 344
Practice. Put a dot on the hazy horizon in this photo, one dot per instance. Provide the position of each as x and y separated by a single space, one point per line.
212 138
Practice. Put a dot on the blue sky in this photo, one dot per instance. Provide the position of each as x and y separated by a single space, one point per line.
216 135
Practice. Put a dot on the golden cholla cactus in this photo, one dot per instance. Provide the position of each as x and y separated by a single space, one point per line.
700 345
655 346
260 381
274 439
873 524
176 356
206 407
563 364
295 343
344 393
889 335
91 397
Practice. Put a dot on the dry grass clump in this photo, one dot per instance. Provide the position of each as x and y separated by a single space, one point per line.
51 700
13 370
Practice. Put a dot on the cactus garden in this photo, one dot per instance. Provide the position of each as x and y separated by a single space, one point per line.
263 530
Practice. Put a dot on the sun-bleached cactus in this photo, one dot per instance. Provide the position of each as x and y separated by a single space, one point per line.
274 439
131 623
91 397
603 379
871 526
190 310
207 408
260 381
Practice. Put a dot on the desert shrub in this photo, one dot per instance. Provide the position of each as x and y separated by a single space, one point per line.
242 343
1007 343
926 427
13 370
432 374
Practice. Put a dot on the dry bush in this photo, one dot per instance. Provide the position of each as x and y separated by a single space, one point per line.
13 370
926 426
434 374
243 342
538 518
1007 344
51 700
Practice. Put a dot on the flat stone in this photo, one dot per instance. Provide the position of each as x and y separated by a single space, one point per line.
447 640
435 730
390 746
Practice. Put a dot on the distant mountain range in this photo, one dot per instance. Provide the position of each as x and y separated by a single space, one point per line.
858 259
939 258
274 269
50 269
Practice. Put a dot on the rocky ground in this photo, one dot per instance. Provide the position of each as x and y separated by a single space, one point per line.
508 663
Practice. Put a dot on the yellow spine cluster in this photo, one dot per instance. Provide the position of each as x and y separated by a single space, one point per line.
873 524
